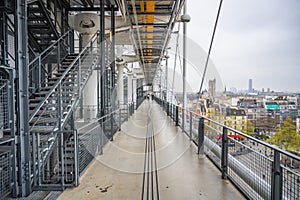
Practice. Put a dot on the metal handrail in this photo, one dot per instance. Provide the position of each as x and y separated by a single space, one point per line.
62 77
244 134
48 48
49 149
271 187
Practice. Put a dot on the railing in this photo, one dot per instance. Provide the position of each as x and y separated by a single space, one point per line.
39 68
126 110
258 169
83 64
94 136
51 115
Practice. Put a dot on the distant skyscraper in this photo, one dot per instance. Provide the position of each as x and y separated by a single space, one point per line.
212 88
250 86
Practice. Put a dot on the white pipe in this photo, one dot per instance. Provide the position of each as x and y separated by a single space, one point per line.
263 189
120 82
134 91
129 87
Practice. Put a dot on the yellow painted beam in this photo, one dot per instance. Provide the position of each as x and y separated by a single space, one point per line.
150 7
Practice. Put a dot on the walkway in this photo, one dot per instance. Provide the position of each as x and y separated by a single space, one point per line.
121 172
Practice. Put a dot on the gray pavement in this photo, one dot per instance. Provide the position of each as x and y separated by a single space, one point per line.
118 172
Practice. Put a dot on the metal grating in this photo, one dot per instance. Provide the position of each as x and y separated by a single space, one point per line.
250 155
291 178
90 145
4 122
92 141
4 173
11 50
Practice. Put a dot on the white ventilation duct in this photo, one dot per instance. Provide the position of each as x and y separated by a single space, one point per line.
87 24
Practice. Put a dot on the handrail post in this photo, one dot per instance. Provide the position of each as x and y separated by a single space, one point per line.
191 125
76 159
111 126
58 55
68 42
39 74
276 179
59 106
120 118
102 137
174 112
79 76
171 110
132 108
167 108
127 106
224 154
201 136
176 117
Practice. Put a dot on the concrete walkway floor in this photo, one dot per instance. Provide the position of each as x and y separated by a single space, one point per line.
149 140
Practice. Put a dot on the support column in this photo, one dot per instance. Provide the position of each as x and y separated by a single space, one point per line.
90 91
134 90
24 167
102 61
88 104
166 56
90 98
161 85
184 69
113 43
120 83
129 87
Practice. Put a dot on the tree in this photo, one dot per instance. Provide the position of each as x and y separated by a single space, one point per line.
287 137
249 129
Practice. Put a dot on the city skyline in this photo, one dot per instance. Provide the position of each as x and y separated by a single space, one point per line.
257 40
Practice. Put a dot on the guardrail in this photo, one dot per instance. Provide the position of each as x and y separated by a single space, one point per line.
95 135
259 170
51 115
39 70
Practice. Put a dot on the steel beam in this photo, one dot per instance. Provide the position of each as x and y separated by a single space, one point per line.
113 42
154 13
24 158
276 178
184 69
97 8
102 58
3 37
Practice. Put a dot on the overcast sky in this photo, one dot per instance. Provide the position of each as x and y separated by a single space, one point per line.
258 39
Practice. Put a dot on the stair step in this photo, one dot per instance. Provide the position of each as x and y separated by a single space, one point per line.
47 88
37 120
50 83
68 155
43 129
65 62
33 105
45 112
69 87
69 161
68 75
35 100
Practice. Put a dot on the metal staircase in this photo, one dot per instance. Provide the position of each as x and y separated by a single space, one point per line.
41 27
51 112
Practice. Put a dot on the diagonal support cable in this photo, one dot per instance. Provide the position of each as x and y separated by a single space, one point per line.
210 46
